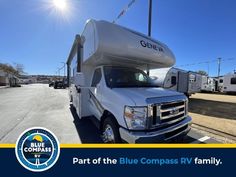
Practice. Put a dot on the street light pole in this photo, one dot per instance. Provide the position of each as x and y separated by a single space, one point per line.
149 26
150 18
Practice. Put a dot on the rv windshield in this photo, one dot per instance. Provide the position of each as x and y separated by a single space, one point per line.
116 77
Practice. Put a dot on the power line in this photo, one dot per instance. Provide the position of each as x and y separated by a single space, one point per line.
206 62
125 9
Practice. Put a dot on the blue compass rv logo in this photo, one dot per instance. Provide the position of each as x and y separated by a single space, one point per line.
37 149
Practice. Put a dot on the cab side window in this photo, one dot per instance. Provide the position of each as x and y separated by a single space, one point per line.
173 80
97 76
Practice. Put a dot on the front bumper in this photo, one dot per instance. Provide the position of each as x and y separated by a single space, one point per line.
156 136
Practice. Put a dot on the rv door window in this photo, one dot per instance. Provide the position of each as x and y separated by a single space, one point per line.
233 80
173 80
97 76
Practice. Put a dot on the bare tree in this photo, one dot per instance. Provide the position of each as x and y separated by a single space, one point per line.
7 68
19 68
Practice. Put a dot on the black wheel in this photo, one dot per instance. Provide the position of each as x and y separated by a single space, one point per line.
110 131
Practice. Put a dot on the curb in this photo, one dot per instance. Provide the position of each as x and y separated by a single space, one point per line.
214 131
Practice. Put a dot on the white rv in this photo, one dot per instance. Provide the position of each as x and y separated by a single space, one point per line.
186 82
229 83
107 82
209 84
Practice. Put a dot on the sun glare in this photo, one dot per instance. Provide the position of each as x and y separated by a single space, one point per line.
60 4
61 10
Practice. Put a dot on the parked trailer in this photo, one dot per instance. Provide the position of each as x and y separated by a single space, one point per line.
220 83
176 79
107 82
229 83
209 84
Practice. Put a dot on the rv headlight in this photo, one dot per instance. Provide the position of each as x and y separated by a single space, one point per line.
135 117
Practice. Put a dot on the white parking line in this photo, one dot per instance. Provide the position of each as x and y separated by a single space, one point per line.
200 140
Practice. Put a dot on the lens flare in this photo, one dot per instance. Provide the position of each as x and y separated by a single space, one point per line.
61 11
60 4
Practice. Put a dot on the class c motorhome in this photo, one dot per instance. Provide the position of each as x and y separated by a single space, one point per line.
107 82
179 80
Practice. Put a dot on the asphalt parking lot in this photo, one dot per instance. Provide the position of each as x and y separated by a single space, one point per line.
39 105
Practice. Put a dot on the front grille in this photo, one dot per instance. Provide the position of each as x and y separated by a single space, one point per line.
167 112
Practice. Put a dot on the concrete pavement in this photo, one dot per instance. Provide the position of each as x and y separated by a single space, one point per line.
36 105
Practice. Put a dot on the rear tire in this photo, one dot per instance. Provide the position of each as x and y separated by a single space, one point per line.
110 131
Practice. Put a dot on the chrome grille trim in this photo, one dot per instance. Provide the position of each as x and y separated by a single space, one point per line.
172 116
178 107
169 114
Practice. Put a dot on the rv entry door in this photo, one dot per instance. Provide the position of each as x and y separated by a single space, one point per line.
182 82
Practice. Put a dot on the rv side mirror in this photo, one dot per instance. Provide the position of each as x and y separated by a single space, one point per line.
79 79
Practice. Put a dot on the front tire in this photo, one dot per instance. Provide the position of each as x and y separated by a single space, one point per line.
110 131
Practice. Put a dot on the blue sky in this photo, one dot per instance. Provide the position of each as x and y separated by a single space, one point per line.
35 34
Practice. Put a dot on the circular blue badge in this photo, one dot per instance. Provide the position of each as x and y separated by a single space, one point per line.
37 149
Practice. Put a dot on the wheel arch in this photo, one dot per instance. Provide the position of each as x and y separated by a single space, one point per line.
105 115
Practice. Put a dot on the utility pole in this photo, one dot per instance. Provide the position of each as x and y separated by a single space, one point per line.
150 18
208 68
58 71
219 63
64 66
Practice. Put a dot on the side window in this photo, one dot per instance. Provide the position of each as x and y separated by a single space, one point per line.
97 76
233 81
140 77
221 80
173 80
